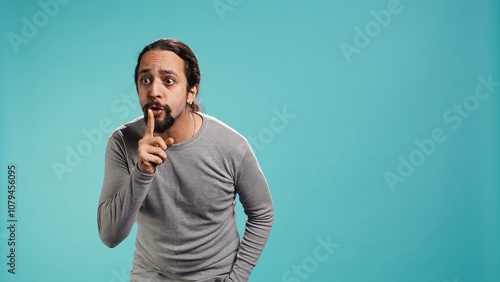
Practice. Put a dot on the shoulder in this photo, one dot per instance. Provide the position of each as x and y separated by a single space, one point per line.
224 134
216 126
130 131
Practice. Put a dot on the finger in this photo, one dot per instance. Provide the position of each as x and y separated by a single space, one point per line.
158 154
150 127
154 141
161 154
169 141
153 150
153 160
159 142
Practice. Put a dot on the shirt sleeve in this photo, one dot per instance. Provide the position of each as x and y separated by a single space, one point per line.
255 198
122 195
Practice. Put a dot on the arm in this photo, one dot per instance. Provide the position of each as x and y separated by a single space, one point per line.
122 194
255 198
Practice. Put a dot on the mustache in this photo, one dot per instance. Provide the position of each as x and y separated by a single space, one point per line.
163 124
156 106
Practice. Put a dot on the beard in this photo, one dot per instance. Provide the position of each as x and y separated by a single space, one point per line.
163 124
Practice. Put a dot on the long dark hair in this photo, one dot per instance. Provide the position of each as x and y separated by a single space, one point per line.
191 68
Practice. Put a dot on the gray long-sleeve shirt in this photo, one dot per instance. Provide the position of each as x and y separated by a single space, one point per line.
185 210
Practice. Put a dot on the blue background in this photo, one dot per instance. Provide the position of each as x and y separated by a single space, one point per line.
352 119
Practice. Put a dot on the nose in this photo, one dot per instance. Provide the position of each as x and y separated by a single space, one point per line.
155 90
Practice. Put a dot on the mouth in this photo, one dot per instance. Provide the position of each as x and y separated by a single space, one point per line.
157 110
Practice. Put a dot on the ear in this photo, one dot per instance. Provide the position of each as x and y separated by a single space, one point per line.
192 93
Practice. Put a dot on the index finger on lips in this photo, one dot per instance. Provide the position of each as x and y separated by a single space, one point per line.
150 126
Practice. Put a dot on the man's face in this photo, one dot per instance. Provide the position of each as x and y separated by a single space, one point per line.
161 85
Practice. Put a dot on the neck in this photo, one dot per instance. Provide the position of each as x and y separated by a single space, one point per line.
184 127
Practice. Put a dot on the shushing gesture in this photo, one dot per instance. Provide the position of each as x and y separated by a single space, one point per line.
151 151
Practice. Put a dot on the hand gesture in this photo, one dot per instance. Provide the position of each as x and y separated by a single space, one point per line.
151 151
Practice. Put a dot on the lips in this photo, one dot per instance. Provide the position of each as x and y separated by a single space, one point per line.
156 109
157 112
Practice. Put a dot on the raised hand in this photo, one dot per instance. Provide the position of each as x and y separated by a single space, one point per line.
151 151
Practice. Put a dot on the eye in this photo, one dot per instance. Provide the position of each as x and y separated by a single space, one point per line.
169 81
145 80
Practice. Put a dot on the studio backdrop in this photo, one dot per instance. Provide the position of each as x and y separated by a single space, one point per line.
375 123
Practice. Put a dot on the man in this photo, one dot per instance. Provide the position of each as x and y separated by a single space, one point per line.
176 172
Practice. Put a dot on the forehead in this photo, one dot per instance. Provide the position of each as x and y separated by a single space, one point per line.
161 60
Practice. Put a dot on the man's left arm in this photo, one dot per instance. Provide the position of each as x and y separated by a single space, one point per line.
253 192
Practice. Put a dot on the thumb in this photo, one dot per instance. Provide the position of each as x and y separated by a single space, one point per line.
169 141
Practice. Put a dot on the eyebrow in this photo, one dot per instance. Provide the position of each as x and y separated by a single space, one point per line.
160 71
